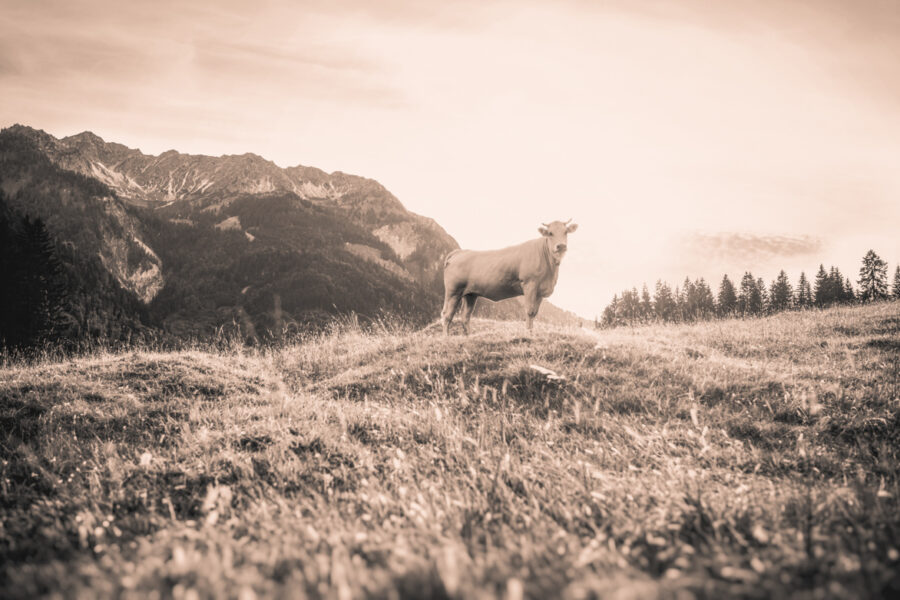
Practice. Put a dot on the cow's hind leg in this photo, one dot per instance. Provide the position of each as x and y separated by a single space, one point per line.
451 303
467 311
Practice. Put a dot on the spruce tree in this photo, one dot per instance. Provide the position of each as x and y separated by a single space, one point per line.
688 300
804 292
678 315
706 304
872 278
835 285
849 295
646 304
32 282
632 305
763 295
897 283
609 313
9 283
822 288
727 299
664 302
749 299
781 294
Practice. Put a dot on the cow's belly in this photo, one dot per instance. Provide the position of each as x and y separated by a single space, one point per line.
495 291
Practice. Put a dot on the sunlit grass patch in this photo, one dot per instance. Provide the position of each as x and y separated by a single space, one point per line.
753 458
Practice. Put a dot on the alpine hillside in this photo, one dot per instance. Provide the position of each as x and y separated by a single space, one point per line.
184 245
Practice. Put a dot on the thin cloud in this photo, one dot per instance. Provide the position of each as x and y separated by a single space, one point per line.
750 248
183 51
458 15
306 72
856 42
301 57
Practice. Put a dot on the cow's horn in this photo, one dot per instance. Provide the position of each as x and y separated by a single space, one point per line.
569 221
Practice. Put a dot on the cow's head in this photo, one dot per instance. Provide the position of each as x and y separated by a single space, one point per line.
557 234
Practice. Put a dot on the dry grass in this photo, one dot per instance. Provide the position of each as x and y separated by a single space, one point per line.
750 458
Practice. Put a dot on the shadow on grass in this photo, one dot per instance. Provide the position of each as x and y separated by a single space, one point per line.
891 345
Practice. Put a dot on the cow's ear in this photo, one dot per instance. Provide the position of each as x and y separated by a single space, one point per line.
544 231
571 228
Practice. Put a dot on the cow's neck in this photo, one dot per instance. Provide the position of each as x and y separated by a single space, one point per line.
551 260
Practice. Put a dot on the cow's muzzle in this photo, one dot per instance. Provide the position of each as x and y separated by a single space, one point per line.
561 247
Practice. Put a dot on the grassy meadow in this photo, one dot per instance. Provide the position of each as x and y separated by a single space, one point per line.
746 458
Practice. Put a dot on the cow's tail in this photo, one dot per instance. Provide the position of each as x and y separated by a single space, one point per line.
451 255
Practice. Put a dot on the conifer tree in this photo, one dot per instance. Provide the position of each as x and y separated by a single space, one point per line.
838 289
897 283
849 294
822 289
804 292
872 278
781 294
727 299
9 273
664 302
32 284
678 315
688 300
646 304
763 295
609 313
749 299
835 285
706 304
632 305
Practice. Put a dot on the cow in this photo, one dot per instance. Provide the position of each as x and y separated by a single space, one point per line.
529 269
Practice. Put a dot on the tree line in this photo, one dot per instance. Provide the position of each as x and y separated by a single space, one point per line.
695 300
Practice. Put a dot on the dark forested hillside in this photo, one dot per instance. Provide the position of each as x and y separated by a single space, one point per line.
257 263
281 261
70 210
32 284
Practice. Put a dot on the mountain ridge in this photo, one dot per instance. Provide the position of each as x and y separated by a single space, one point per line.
157 181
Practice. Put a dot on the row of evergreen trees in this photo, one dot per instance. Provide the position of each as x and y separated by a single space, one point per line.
695 300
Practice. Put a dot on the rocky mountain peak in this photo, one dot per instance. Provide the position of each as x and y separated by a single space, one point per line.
85 138
39 137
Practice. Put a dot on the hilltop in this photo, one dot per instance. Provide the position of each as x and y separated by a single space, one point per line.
754 458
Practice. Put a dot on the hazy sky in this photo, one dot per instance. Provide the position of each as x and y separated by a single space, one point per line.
686 137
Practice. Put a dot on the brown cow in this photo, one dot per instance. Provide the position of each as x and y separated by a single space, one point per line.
528 269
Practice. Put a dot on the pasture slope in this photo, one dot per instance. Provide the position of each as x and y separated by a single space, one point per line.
755 458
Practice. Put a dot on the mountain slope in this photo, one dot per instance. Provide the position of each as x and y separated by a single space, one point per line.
201 243
202 181
205 243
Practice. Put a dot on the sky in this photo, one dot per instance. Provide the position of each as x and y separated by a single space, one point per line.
686 138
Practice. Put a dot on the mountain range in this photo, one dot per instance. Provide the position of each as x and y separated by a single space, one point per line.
186 245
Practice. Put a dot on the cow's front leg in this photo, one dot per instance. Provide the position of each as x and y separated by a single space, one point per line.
532 303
